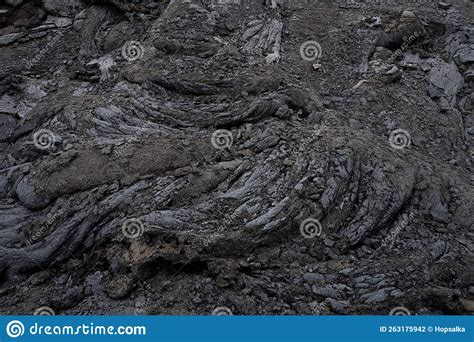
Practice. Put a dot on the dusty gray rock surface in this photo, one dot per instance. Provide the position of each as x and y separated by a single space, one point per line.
265 157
